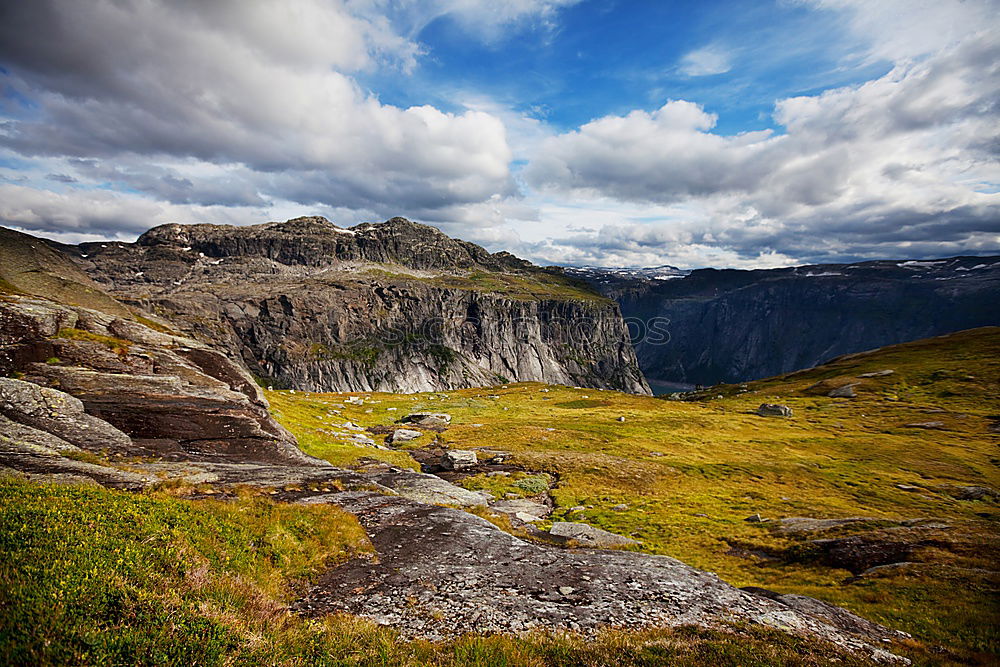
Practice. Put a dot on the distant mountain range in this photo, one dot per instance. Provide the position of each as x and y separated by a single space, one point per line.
732 325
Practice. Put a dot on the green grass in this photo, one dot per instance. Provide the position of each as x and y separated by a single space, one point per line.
116 345
691 472
537 285
90 576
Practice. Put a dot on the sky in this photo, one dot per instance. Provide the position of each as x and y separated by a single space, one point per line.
574 132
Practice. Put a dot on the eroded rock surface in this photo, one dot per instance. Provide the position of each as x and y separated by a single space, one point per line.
395 306
107 383
441 572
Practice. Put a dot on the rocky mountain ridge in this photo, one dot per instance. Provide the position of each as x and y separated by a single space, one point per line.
733 325
395 306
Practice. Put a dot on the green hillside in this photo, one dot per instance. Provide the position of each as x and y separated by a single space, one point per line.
690 472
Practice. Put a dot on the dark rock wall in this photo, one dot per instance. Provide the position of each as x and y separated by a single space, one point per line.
733 326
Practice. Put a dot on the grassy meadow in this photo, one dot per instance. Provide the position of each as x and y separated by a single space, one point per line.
690 473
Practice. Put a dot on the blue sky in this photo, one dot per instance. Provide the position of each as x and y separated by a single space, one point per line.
606 132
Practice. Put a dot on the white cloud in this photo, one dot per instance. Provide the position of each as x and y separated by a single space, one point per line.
706 61
877 168
263 89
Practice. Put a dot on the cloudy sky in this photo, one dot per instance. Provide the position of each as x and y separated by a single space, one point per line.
609 132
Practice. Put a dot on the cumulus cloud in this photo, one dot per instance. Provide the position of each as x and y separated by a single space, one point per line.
874 169
131 88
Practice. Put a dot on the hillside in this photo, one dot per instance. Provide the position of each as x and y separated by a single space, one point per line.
395 306
884 503
733 326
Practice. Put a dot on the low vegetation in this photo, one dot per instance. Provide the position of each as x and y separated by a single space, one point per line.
689 474
96 577
541 284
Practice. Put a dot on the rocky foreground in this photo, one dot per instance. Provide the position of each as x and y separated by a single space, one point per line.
97 398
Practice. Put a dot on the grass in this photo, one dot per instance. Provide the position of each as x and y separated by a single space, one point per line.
97 577
691 472
117 345
91 576
537 285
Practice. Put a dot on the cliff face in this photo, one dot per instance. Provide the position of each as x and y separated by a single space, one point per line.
733 326
395 306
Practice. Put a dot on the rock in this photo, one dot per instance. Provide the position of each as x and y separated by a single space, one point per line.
288 300
619 508
774 410
877 374
426 419
754 518
59 414
589 536
971 492
480 579
857 553
522 506
908 487
845 391
172 396
457 459
525 517
801 524
926 425
621 419
403 435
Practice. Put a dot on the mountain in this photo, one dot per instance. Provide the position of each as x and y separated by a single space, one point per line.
732 326
394 306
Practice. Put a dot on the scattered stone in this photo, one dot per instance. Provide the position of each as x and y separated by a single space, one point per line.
403 435
774 410
846 391
926 425
620 508
971 492
802 524
566 590
457 459
621 419
522 506
589 536
525 517
355 400
908 487
426 419
754 518
877 374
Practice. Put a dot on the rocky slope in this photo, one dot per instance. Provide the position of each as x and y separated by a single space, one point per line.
395 306
734 326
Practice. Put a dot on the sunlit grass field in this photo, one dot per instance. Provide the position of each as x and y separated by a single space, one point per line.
690 473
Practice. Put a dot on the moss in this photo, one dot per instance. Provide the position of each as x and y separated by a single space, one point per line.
154 325
117 345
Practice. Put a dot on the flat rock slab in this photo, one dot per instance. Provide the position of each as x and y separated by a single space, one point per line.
442 572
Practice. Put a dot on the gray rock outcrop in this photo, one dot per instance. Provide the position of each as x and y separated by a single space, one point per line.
395 306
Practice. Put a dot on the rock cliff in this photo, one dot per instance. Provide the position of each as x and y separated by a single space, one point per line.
732 326
396 306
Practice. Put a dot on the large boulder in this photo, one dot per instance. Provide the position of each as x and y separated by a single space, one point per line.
774 410
457 459
59 414
426 419
589 536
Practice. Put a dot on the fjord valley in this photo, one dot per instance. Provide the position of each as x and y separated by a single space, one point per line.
213 451
734 326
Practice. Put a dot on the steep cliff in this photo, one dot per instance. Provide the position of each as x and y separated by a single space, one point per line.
733 326
396 306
